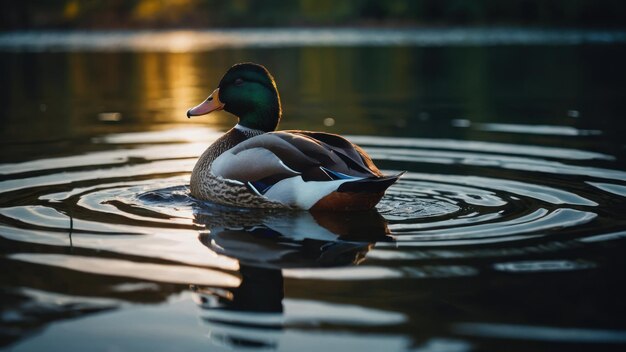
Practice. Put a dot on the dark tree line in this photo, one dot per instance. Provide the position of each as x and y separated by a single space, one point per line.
108 14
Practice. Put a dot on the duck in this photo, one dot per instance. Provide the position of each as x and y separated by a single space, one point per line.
253 165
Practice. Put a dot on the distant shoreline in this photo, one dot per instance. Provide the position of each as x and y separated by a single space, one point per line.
211 39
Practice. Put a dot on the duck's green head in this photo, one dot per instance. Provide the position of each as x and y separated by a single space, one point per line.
249 92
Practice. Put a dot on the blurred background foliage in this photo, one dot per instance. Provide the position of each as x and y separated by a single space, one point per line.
110 14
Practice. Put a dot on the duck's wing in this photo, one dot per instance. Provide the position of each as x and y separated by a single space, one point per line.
305 170
355 160
314 156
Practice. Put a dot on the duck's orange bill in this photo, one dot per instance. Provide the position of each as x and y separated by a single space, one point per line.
212 103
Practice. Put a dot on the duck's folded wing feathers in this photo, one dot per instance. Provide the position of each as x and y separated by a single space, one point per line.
284 154
355 157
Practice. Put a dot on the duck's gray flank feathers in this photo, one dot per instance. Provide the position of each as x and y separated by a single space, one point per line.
283 154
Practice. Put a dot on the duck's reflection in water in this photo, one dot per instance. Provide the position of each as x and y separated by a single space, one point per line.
265 243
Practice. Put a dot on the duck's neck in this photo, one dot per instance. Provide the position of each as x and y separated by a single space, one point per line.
264 117
247 131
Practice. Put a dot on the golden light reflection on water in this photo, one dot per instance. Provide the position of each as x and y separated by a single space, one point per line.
149 90
169 85
363 90
146 89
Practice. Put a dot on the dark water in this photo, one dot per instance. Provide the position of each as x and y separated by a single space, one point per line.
507 233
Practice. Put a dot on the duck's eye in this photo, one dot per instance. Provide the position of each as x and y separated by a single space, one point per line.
238 81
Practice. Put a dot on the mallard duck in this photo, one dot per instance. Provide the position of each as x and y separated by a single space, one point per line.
252 165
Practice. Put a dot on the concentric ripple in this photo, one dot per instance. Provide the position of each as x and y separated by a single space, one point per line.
495 211
141 189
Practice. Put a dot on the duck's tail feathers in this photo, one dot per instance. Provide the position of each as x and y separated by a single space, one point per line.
370 184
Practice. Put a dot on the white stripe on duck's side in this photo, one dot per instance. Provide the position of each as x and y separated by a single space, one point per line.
296 192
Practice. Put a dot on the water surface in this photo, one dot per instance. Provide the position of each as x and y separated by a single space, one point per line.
506 233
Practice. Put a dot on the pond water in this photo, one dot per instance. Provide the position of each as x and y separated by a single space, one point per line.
506 233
